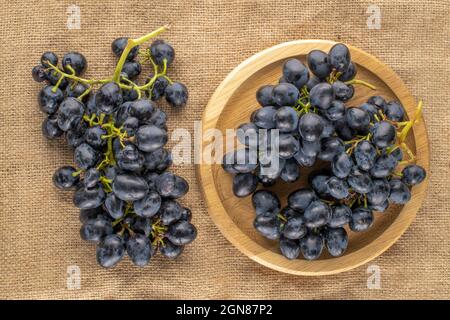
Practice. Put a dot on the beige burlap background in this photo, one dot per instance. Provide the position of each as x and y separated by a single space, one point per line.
39 225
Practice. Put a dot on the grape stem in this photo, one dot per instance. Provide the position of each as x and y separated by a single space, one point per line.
361 82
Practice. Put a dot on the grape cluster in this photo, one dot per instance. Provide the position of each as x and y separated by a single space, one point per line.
359 150
127 198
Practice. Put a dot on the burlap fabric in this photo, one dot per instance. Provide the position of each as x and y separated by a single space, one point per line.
39 225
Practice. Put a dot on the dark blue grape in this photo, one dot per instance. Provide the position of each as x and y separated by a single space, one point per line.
383 134
384 166
294 228
288 146
170 212
150 138
158 88
357 119
379 193
141 109
181 232
93 136
119 44
350 73
91 177
413 174
318 63
186 214
244 184
110 251
264 117
76 60
48 100
371 109
285 94
337 188
318 181
341 165
365 154
64 179
330 147
129 187
89 198
286 119
170 250
53 77
266 203
131 125
170 185
159 119
90 214
139 249
39 73
312 82
176 94
343 130
304 160
75 90
301 199
295 72
158 160
336 111
244 160
400 193
50 128
70 113
85 156
317 214
289 248
362 219
340 216
264 95
394 111
336 240
247 134
310 149
162 50
268 226
49 57
108 98
291 171
321 95
379 207
360 181
310 127
339 57
96 228
377 101
311 246
131 69
114 206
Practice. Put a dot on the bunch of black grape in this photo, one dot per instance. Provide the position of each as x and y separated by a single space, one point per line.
359 150
128 200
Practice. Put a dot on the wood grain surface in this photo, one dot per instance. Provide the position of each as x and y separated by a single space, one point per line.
233 102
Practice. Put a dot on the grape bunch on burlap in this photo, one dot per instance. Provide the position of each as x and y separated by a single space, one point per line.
128 199
360 151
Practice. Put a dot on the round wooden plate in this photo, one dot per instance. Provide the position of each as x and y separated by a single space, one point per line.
233 102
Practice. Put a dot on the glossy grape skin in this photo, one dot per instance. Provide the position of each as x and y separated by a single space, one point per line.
397 153
91 177
139 249
379 193
114 206
360 181
130 159
75 136
247 134
342 91
266 203
300 199
70 113
328 129
64 179
304 160
38 73
310 149
341 165
150 138
341 214
311 246
382 207
285 94
90 214
76 60
318 63
131 125
318 181
176 94
312 82
394 111
413 174
317 214
53 78
89 198
85 156
357 119
350 73
371 109
365 154
343 130
290 172
48 100
108 98
95 229
294 228
75 91
170 185
335 111
362 219
162 50
377 101
264 117
288 145
264 95
50 128
158 160
310 127
337 188
158 118
400 193
186 214
267 226
131 69
289 248
384 166
170 250
321 95
129 187
110 251
339 57
228 162
244 184
244 160
330 147
169 212
49 57
383 134
93 136
336 240
119 44
181 233
286 119
141 109
295 72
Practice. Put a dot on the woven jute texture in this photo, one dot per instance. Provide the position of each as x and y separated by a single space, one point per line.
39 225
